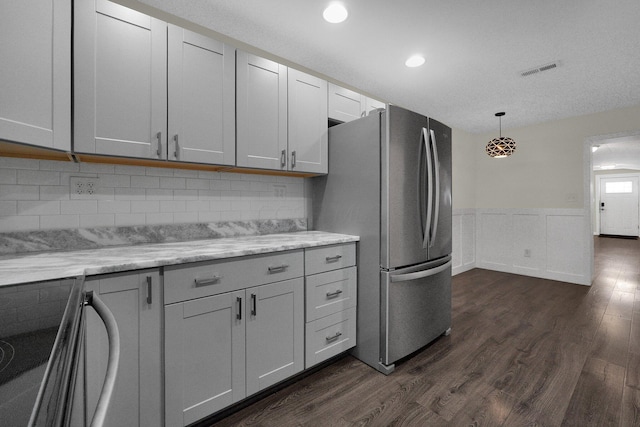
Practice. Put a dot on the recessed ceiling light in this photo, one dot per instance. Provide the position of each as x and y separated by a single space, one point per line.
335 13
414 61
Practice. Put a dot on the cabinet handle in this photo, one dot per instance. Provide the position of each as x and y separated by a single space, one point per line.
283 158
149 295
333 258
334 294
176 152
239 315
334 337
254 305
159 138
278 268
293 159
207 282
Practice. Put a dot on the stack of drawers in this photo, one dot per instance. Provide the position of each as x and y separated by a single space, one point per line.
330 286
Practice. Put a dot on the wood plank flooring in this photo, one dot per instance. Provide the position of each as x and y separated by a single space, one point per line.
522 352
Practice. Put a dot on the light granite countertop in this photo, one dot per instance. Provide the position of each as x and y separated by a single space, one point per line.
32 267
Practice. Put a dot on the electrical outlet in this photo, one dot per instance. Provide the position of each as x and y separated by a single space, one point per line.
527 253
279 190
83 187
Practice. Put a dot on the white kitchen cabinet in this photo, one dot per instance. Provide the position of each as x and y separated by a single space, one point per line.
232 328
307 121
135 300
35 73
204 356
331 299
261 112
201 73
370 104
147 89
344 104
281 117
120 75
275 333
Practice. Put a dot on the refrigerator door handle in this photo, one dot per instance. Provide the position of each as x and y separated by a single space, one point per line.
429 199
436 200
419 274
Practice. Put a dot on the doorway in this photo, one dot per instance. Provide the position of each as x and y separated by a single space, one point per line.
618 204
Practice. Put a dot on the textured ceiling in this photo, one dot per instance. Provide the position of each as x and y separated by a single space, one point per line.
617 153
475 52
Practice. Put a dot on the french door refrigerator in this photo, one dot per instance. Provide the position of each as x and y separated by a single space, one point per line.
390 183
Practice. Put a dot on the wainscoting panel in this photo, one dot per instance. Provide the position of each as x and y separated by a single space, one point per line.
546 243
464 240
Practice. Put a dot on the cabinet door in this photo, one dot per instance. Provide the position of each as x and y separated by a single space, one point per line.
261 113
275 333
204 356
370 104
120 89
344 104
35 72
136 303
201 73
308 125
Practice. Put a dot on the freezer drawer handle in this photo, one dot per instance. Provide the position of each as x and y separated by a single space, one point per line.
334 293
207 282
333 258
420 274
278 268
334 337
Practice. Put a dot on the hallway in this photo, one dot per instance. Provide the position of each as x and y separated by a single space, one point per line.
523 351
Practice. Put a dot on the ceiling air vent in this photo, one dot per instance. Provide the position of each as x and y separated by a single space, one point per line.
540 69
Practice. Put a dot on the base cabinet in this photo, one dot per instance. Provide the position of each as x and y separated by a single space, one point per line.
136 302
224 347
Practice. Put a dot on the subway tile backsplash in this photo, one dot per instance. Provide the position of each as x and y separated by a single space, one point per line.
38 195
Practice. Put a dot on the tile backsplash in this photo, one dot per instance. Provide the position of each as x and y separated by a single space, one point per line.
40 195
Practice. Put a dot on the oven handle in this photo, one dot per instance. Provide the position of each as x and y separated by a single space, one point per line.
114 357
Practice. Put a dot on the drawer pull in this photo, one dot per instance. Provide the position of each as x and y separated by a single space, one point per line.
334 337
334 294
333 258
278 268
207 282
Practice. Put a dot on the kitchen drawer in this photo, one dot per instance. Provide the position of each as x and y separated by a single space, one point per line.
200 279
330 292
330 336
326 258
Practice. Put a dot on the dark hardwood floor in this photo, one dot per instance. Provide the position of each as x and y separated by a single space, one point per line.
522 352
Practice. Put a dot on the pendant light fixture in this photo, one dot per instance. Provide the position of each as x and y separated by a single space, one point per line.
502 146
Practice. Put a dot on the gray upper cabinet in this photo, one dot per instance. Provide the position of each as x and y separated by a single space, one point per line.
35 73
308 126
370 104
344 104
201 73
147 89
120 74
261 112
281 117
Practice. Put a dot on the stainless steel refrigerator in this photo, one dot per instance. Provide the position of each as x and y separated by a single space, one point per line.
389 182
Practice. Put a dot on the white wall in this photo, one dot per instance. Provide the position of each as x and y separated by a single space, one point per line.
546 171
535 199
35 195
